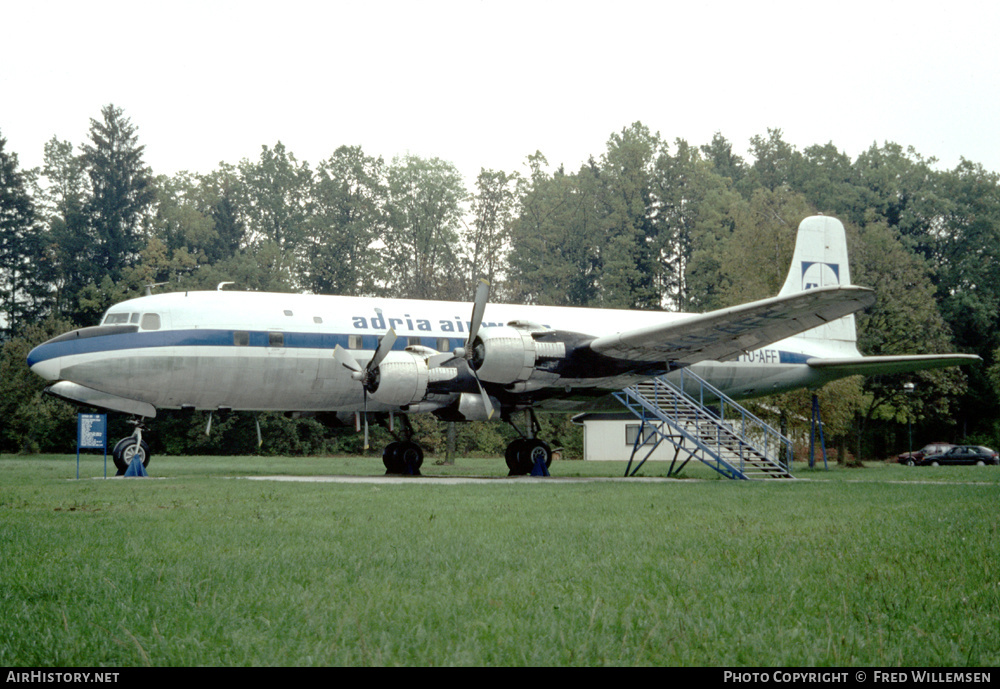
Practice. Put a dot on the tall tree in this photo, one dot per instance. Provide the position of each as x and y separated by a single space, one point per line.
697 215
69 240
276 195
20 246
719 154
122 190
426 208
554 257
493 208
345 253
629 209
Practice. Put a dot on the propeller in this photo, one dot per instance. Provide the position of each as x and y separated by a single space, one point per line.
367 376
466 352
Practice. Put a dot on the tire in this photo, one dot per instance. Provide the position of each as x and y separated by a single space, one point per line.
512 457
980 463
392 458
935 464
531 451
125 450
910 462
411 457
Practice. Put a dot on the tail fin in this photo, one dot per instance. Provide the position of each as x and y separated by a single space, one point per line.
820 260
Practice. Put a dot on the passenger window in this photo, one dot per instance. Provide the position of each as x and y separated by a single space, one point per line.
287 312
241 339
276 339
442 344
317 319
150 321
354 342
413 341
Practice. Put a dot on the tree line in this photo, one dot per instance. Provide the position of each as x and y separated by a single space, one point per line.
645 224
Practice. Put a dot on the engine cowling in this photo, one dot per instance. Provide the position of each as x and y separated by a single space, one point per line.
401 379
509 355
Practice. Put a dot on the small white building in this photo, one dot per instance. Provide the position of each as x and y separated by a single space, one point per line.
611 436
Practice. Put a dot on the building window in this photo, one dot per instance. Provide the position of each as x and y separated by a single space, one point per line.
632 432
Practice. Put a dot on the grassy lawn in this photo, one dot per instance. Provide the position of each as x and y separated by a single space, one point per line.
886 565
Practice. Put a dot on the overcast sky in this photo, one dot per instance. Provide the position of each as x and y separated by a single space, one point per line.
485 83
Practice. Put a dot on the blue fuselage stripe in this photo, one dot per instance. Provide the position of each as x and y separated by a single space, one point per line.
213 338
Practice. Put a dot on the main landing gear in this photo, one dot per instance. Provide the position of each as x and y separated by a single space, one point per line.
528 454
403 456
128 448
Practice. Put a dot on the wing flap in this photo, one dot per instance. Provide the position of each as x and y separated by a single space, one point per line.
726 333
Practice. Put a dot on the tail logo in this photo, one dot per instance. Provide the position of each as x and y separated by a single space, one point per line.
816 274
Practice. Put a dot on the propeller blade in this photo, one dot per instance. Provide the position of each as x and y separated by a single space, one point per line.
483 394
346 360
384 347
478 307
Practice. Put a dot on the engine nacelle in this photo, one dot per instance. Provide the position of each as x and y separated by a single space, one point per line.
509 354
401 379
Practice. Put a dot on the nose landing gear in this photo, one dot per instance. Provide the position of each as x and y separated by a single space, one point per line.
128 448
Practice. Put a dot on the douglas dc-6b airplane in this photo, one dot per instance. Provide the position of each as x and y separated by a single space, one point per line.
358 356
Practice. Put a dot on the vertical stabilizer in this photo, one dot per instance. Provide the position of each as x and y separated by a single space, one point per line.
820 260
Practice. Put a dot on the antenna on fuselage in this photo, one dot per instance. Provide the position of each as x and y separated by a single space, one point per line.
149 288
223 284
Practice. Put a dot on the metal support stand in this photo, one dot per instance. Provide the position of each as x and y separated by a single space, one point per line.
817 422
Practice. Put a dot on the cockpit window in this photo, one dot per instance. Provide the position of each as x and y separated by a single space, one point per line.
116 319
150 321
135 318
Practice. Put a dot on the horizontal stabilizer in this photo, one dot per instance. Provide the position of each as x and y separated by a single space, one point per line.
873 365
726 333
88 397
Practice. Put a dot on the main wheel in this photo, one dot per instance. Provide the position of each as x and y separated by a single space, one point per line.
411 457
534 451
512 456
392 459
126 449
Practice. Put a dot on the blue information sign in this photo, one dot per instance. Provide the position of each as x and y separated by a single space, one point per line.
92 431
92 434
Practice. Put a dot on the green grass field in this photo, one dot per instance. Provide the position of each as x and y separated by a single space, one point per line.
883 566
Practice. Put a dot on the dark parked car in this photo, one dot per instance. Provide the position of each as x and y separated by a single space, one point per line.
962 454
912 458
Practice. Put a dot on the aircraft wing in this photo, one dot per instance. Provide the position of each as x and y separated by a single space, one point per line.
873 365
725 334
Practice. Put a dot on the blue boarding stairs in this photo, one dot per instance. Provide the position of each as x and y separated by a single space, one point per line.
702 423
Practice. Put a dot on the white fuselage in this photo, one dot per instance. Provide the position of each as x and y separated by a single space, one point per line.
264 351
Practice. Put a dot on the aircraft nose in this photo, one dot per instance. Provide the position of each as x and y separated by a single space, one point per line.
42 362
